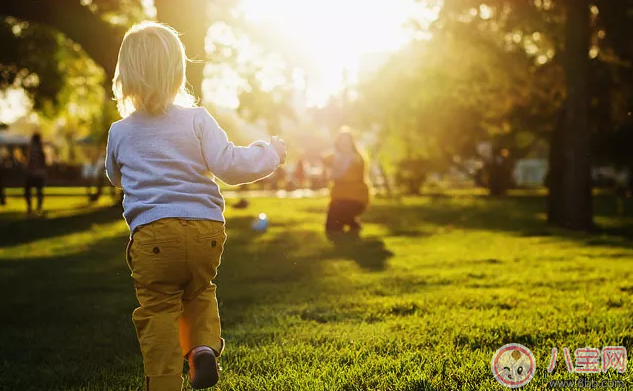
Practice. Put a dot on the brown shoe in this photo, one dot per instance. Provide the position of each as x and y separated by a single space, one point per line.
203 368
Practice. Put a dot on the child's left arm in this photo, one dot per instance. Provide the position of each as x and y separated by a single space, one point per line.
113 170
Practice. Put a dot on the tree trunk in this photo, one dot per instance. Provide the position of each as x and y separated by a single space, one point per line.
570 199
189 18
554 180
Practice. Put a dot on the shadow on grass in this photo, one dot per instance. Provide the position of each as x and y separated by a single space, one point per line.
309 246
293 259
522 216
368 253
16 229
66 320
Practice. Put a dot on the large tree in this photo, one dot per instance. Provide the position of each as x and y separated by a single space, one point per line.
99 25
472 82
192 19
570 203
567 25
572 90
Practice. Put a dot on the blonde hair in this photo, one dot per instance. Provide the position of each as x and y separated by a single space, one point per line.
150 74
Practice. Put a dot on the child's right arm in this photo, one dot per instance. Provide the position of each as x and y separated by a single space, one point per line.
234 165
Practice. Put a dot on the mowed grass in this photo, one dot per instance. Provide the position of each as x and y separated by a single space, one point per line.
437 285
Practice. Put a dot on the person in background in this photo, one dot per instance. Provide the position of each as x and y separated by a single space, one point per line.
35 173
350 193
622 189
4 155
17 158
299 173
95 176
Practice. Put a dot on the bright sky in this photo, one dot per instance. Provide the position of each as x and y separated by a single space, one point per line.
13 104
334 35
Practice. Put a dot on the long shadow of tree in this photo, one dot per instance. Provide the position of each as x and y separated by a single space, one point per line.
66 320
269 270
522 215
17 231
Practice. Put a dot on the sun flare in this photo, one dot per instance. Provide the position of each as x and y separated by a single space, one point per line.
337 36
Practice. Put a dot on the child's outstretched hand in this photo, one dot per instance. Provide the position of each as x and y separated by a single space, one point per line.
280 147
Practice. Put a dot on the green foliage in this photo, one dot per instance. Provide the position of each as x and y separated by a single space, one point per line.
124 12
270 106
263 69
29 60
65 79
57 74
83 92
438 99
61 78
493 71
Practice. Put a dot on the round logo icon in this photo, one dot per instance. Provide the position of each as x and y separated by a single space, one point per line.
513 365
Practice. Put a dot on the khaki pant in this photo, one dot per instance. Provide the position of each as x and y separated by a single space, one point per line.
173 264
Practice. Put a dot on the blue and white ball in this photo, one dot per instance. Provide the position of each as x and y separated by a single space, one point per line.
260 224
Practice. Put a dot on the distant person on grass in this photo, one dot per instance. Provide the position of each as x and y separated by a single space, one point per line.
35 173
299 174
350 194
161 155
3 163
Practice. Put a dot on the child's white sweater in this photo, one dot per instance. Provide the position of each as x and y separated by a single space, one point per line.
166 165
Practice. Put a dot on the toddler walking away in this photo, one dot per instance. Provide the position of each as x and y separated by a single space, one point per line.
164 155
349 194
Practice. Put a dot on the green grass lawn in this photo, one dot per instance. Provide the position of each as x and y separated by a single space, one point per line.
437 285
